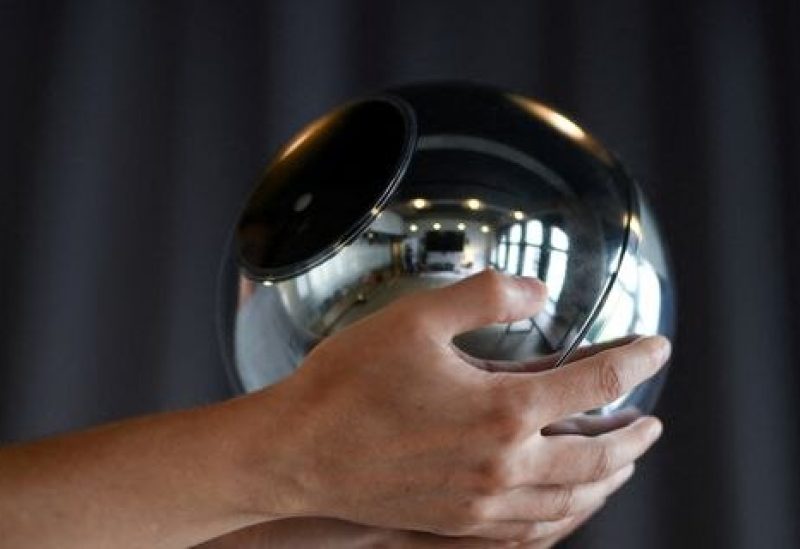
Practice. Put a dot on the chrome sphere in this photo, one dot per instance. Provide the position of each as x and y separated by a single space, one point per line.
421 186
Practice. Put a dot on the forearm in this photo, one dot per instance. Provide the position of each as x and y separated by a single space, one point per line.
384 425
299 533
170 480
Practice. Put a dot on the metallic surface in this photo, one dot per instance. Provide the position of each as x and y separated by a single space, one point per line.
425 185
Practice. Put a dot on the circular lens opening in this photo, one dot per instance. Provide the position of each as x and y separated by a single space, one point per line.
324 187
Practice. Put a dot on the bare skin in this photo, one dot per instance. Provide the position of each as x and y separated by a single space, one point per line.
321 533
386 432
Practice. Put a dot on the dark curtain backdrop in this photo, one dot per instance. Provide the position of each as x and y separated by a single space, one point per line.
131 131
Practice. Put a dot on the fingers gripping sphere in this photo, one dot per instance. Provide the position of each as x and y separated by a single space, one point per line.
445 285
401 431
422 186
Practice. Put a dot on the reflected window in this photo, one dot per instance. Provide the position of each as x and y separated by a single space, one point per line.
634 304
513 259
302 286
534 232
623 310
649 310
514 245
534 249
629 275
556 271
502 253
555 248
530 265
559 239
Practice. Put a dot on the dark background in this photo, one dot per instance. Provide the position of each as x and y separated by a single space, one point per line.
130 133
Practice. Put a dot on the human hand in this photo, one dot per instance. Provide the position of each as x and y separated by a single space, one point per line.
324 533
386 424
578 424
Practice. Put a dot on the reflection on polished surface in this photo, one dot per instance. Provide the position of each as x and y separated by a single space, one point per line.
432 184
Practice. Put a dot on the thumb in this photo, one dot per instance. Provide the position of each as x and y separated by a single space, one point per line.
481 299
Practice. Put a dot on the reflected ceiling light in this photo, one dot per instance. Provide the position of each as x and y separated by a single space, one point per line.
518 215
419 203
591 258
303 136
462 227
473 204
267 283
564 124
557 120
413 227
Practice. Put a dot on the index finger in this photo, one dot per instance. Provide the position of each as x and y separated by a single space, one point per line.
543 363
599 379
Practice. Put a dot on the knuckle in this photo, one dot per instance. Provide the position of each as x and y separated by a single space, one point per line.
505 422
512 399
602 462
476 513
527 532
491 277
563 502
412 304
542 530
609 380
493 476
410 320
493 285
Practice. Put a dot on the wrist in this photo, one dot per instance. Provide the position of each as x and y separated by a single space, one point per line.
274 469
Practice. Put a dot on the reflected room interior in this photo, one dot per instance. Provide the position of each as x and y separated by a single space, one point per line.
542 199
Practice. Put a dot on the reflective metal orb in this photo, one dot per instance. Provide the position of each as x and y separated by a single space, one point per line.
421 186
